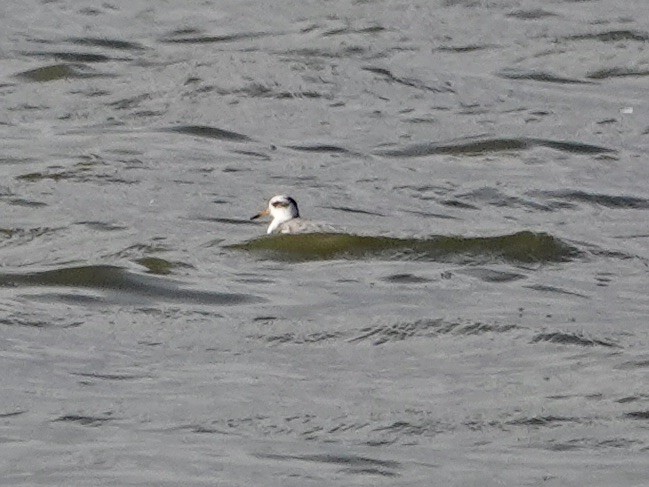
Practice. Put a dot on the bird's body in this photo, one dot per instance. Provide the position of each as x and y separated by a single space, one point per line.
286 217
300 225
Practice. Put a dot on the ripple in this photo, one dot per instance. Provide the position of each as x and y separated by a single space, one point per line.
102 226
566 338
314 55
544 421
411 82
405 279
521 247
617 73
491 275
397 332
31 321
323 148
184 37
80 172
347 209
383 333
374 29
495 145
494 197
54 72
209 132
612 36
26 203
531 14
159 266
19 236
638 415
261 90
107 43
76 57
465 48
112 377
114 279
554 289
413 428
130 102
84 420
351 463
520 74
601 199
12 413
297 337
635 364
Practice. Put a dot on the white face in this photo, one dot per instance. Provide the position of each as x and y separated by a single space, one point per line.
282 206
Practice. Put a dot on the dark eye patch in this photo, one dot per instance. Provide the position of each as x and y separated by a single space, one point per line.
280 204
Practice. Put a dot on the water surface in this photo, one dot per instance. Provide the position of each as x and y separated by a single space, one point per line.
481 320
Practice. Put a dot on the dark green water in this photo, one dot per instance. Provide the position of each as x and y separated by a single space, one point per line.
518 248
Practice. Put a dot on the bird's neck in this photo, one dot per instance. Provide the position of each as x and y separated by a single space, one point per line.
278 220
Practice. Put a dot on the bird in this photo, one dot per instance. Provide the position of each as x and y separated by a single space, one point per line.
286 217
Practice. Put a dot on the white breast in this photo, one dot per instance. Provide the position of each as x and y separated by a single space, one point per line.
299 225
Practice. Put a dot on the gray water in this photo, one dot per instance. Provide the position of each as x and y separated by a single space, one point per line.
481 320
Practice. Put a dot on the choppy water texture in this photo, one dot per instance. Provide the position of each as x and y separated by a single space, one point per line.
481 320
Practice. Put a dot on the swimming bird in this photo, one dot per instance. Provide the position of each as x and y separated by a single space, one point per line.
286 217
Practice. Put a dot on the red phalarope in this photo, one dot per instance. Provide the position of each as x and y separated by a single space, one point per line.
286 217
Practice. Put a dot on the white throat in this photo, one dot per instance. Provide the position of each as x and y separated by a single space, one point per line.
280 215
